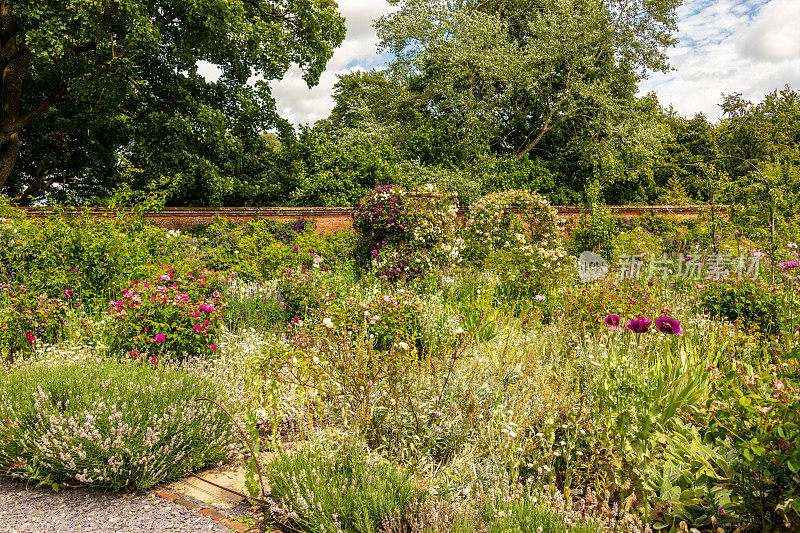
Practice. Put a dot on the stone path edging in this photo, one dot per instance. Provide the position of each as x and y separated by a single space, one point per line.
211 513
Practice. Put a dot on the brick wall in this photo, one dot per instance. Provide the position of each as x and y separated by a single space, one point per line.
335 218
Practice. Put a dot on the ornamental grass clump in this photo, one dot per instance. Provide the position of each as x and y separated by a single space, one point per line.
108 424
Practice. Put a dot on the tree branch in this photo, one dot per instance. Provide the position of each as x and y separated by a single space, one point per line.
43 106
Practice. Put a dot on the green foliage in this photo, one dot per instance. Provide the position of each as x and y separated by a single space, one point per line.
456 64
639 402
636 242
301 294
760 413
89 423
752 304
93 258
691 483
341 489
597 231
526 272
388 320
131 72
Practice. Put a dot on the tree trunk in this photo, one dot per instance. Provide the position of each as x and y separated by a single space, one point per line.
15 61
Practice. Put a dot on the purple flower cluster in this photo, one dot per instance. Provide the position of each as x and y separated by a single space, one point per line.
664 324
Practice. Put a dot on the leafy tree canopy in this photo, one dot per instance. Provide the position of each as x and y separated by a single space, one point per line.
96 85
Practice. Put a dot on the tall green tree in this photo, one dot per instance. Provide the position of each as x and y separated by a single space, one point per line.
502 76
92 85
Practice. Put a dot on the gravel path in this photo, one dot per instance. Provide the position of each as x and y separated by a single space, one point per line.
40 510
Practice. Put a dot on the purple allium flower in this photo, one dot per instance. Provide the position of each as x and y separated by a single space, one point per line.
68 293
668 325
638 325
612 321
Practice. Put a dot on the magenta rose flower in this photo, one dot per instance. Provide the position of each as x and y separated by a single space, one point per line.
160 337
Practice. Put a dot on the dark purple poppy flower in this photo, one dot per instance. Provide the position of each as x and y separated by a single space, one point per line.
638 325
668 325
612 321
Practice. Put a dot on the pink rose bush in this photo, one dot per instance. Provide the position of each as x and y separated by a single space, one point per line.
172 317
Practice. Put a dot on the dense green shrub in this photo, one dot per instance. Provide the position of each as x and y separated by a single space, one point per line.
749 303
109 424
758 410
27 318
264 248
387 320
94 258
301 293
595 232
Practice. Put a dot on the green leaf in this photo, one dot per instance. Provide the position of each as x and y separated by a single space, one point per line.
744 401
747 453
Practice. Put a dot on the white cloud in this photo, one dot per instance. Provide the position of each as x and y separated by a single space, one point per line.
301 105
746 46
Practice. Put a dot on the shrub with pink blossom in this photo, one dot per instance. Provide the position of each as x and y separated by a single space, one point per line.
171 317
27 319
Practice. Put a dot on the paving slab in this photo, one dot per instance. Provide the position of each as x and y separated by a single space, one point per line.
229 476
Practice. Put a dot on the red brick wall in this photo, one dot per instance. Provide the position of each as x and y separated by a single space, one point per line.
335 218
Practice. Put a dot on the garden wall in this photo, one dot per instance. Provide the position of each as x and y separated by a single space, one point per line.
335 218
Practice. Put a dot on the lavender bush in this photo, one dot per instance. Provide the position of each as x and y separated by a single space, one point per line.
336 490
109 424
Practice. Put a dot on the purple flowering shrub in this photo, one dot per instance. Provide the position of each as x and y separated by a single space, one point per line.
170 317
27 319
402 234
108 424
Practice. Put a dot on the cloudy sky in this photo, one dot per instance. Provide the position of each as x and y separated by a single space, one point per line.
746 46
